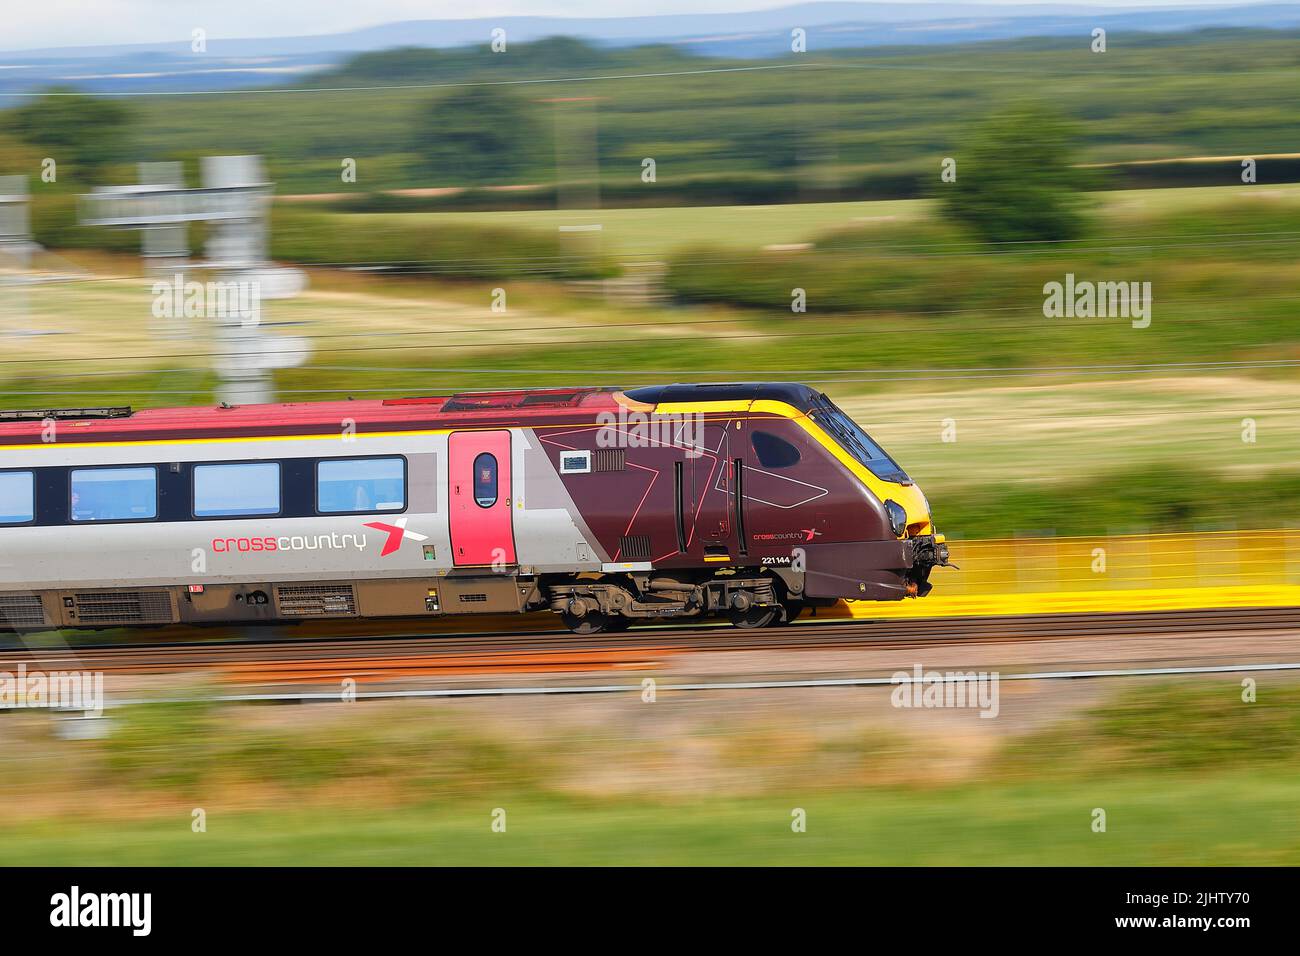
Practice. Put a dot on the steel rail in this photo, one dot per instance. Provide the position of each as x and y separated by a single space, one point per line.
574 689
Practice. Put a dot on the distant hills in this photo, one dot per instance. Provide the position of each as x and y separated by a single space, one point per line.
261 62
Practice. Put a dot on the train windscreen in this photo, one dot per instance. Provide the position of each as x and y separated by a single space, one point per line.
855 441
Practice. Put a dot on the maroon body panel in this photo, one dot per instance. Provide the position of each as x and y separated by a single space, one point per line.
815 499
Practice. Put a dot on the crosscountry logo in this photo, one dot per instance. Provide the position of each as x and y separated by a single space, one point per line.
396 532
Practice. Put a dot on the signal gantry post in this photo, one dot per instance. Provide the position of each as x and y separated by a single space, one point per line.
16 248
234 202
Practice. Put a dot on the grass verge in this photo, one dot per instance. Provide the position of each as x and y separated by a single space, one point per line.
1186 772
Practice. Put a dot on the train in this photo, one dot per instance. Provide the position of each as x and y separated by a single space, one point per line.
607 507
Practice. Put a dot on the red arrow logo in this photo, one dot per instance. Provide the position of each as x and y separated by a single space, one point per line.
396 532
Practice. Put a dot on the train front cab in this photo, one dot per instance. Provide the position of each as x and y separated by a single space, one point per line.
895 545
824 506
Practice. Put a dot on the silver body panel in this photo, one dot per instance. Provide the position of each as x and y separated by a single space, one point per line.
550 535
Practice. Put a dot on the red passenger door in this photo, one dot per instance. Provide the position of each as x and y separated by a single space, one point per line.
478 479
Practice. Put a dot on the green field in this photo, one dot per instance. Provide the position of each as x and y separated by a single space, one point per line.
1187 773
1195 823
661 231
657 232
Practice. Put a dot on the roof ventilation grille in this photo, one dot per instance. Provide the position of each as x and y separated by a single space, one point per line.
40 414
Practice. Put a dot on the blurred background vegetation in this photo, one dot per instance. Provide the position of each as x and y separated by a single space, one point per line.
849 124
924 297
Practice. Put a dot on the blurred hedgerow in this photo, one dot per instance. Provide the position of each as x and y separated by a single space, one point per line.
1015 180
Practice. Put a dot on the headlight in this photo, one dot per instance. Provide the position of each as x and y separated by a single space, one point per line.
897 517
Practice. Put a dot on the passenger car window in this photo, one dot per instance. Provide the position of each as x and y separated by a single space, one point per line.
485 480
114 494
774 452
17 497
248 488
360 484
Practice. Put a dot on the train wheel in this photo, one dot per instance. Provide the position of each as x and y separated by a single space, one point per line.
594 622
756 617
792 609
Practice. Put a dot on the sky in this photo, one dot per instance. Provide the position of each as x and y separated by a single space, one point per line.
53 23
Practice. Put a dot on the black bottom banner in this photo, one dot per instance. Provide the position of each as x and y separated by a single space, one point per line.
336 905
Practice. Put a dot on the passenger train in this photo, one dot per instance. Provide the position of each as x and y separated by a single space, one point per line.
604 506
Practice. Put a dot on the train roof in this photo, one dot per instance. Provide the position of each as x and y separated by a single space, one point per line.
791 393
505 408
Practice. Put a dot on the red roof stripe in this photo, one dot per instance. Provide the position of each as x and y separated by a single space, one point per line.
311 418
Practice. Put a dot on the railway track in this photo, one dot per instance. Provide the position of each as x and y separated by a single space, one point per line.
579 689
399 656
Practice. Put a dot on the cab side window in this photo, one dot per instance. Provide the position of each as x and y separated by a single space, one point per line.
774 452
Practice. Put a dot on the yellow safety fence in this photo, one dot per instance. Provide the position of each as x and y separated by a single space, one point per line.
1149 572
